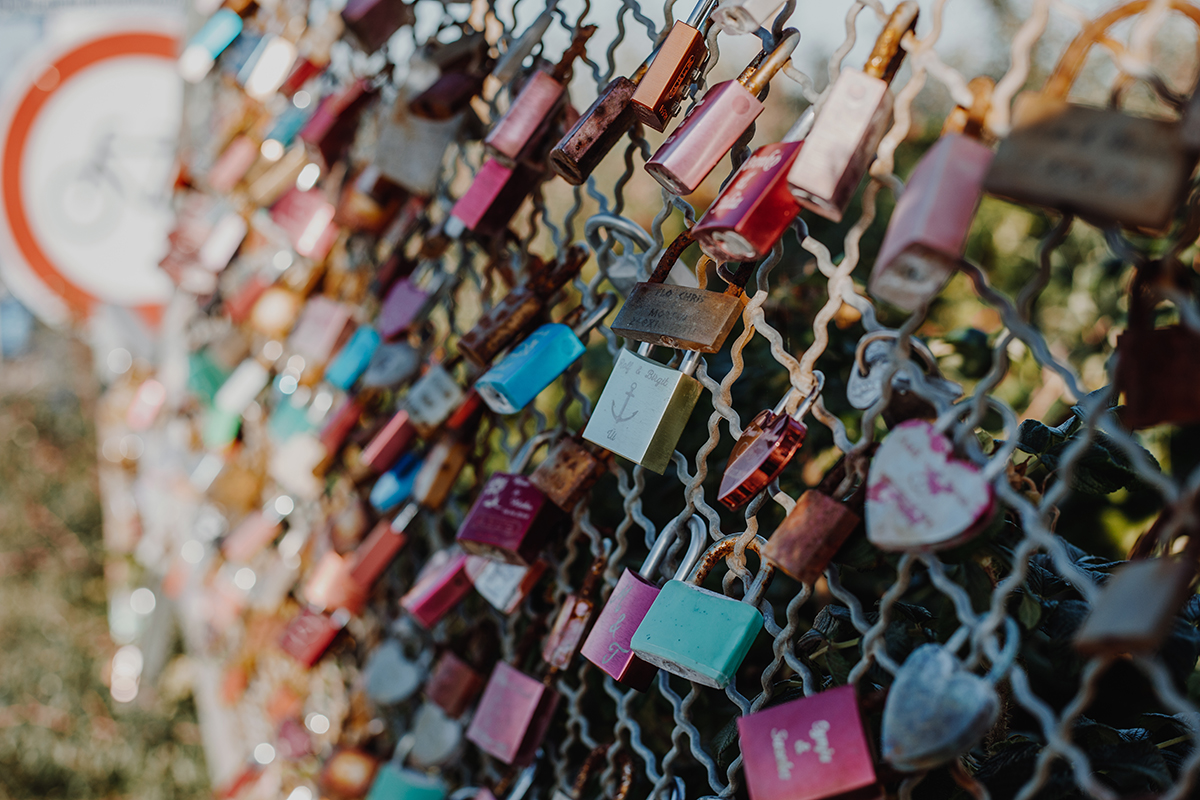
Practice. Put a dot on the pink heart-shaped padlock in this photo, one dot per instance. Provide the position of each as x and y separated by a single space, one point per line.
919 496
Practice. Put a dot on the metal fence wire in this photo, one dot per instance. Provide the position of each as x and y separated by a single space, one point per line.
856 626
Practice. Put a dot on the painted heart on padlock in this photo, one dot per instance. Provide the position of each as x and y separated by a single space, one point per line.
935 710
919 496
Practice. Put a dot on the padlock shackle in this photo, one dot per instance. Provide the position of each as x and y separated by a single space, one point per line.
802 126
612 222
562 70
972 121
674 250
722 549
529 448
695 550
701 13
509 64
917 346
759 76
608 301
811 399
1070 63
887 55
691 358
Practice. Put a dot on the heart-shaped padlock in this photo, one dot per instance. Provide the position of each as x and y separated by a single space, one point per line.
920 496
871 357
936 709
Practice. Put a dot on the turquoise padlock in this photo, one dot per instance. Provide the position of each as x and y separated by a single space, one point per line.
535 363
353 358
701 635
209 42
394 781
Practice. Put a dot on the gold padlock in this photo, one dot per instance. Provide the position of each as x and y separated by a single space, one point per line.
1101 164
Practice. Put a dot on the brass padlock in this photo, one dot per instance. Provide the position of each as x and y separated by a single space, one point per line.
678 316
569 471
1101 164
1155 366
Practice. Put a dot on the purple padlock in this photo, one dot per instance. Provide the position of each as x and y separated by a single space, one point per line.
510 520
608 645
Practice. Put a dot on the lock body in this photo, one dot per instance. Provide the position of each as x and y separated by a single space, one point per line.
403 306
495 195
566 635
308 636
753 211
1136 608
432 399
513 714
567 473
307 218
509 521
525 123
332 127
397 783
1146 358
502 584
376 553
396 485
392 441
745 16
339 425
348 773
642 411
678 316
609 645
352 360
704 137
393 364
1100 164
453 685
677 633
321 327
812 748
595 133
657 97
844 137
809 536
928 230
500 326
442 584
761 453
449 94
410 149
372 22
441 469
529 368
331 586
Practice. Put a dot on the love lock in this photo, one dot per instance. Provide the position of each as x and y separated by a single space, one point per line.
865 386
936 709
623 270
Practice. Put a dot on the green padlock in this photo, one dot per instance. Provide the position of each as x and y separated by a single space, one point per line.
701 635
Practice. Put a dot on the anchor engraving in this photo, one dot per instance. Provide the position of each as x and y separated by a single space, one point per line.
619 416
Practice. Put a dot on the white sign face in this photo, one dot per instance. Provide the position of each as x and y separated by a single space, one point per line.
87 160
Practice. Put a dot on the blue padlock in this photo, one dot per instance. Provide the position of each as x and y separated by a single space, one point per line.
698 634
353 359
535 363
395 485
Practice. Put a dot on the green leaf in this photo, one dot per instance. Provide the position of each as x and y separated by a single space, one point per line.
1102 469
1036 438
1029 613
839 666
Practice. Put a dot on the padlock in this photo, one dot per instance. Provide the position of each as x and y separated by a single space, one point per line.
265 188
523 127
1101 164
453 684
396 485
408 303
508 66
322 326
1155 365
495 195
513 715
332 127
676 633
608 646
598 129
372 22
657 97
217 33
392 365
765 448
813 748
309 634
256 531
441 585
266 67
805 542
845 135
569 471
533 364
740 17
459 81
920 496
395 781
391 442
232 165
1136 609
410 150
928 230
865 386
369 202
754 210
307 217
329 585
502 584
352 360
644 407
510 520
676 316
714 124
433 398
390 676
348 773
376 552
574 617
520 308
936 709
446 459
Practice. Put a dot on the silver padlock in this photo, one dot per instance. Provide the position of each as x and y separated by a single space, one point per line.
871 359
391 676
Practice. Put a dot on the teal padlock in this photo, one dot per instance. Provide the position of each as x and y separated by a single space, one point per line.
393 782
698 634
353 359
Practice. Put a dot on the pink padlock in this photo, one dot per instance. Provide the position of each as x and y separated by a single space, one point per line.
330 585
256 531
928 230
715 123
323 326
441 585
608 645
309 634
493 197
510 520
392 441
307 217
813 748
513 715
